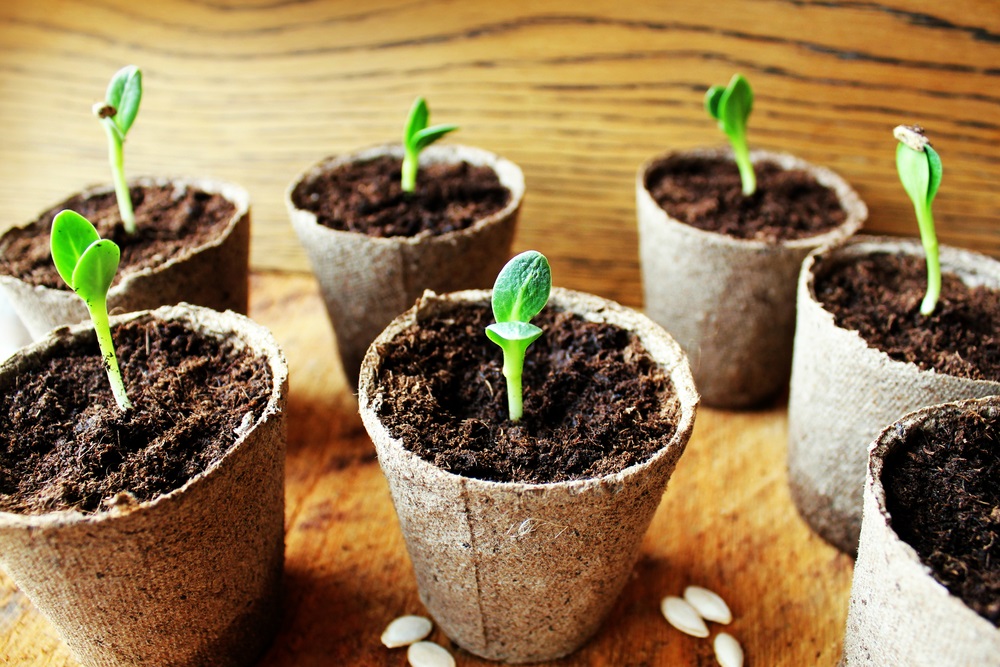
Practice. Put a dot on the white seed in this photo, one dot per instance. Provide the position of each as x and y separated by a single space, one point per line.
728 651
708 604
405 630
683 616
429 654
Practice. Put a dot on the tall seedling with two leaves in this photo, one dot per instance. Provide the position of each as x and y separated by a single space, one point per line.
919 168
117 113
416 137
88 265
731 107
521 291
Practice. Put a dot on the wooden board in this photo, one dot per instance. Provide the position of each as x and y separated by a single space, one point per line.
726 522
577 93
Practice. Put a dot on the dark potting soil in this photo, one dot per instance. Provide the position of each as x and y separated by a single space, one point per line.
168 221
943 493
879 297
592 399
706 192
64 444
367 197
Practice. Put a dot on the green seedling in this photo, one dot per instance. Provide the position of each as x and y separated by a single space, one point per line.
416 137
520 292
117 113
919 168
88 264
731 107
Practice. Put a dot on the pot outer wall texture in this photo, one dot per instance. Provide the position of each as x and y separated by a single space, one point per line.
730 302
367 281
843 393
899 614
525 572
213 275
191 578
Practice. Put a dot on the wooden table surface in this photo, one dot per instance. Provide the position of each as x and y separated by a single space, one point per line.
579 94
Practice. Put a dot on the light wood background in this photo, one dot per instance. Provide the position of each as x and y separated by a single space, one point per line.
579 94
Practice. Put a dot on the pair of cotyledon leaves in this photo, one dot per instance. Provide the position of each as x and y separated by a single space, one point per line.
124 95
85 261
731 105
918 164
416 135
521 291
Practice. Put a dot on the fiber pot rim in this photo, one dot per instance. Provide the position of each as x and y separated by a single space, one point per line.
593 308
233 193
509 174
973 268
891 439
228 325
850 202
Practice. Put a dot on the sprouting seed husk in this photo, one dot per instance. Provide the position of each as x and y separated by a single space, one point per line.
728 651
429 654
683 616
406 630
709 604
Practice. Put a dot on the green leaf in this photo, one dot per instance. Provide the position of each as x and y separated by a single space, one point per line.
416 121
524 332
934 170
95 270
914 173
735 105
429 135
522 287
712 98
71 235
124 94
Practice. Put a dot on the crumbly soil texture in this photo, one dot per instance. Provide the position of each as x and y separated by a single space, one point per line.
879 297
169 221
64 443
706 192
366 197
593 399
943 494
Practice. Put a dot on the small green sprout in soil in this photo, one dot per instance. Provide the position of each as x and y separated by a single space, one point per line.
520 292
416 137
117 113
731 107
919 168
88 264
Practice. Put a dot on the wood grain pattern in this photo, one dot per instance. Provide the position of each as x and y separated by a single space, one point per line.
726 522
578 94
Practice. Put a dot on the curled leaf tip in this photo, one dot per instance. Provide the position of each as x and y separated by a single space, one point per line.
913 136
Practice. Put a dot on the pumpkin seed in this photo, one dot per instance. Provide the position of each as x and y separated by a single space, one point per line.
429 654
708 604
405 630
683 616
728 651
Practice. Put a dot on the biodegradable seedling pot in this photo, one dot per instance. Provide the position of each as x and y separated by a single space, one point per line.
367 281
525 572
213 274
843 392
730 302
189 578
899 613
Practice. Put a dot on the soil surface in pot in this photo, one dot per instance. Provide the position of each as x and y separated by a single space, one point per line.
593 399
943 494
879 297
706 192
366 197
169 221
64 444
